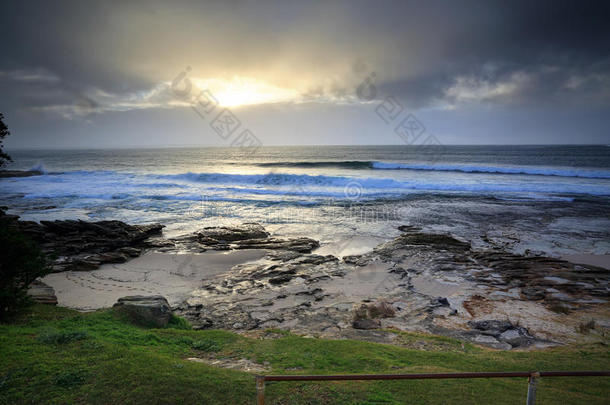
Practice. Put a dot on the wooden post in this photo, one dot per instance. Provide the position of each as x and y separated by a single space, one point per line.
531 388
260 390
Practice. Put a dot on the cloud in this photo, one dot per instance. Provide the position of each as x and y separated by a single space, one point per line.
564 85
78 59
30 76
234 93
473 88
98 101
41 91
417 50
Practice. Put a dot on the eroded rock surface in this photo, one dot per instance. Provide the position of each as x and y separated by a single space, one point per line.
80 245
250 236
42 293
224 234
504 331
426 282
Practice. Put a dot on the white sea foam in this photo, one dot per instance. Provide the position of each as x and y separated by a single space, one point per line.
38 168
530 170
108 185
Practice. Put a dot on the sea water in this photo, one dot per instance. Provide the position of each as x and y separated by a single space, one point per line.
555 199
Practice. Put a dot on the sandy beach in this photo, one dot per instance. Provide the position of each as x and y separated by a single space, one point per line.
172 275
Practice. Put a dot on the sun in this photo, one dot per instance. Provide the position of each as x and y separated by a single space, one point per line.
241 91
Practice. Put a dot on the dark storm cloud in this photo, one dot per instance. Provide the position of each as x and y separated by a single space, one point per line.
532 50
77 58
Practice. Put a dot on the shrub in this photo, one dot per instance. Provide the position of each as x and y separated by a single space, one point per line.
4 132
379 309
176 322
5 379
559 308
206 345
184 341
68 379
21 262
53 336
586 327
92 345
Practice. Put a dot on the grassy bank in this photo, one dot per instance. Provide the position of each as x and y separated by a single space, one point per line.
55 355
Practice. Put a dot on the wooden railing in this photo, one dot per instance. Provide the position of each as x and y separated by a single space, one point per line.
532 377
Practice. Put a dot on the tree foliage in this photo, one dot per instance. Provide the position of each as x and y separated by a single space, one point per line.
21 262
4 158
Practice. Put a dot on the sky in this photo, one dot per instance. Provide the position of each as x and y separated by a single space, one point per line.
89 74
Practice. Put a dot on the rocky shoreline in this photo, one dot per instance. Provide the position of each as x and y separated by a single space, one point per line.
82 246
418 281
19 173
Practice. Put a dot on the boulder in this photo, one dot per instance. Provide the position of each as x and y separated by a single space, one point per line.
380 309
366 324
315 259
302 245
112 257
505 332
76 263
440 302
492 327
221 234
130 251
283 255
433 240
421 241
491 342
366 316
516 337
151 310
408 228
42 293
253 236
281 279
533 293
358 260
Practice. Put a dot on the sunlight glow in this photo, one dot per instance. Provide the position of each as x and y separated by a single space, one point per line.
240 91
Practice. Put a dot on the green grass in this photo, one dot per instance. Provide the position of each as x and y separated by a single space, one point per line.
57 356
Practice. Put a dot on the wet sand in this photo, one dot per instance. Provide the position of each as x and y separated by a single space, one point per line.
590 259
171 275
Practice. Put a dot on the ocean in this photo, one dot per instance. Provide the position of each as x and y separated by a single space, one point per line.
551 199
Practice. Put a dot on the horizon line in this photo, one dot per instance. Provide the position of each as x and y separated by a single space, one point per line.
131 147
